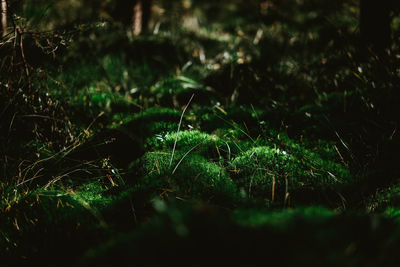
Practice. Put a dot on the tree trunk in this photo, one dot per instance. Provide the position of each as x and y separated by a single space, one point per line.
141 16
375 23
3 29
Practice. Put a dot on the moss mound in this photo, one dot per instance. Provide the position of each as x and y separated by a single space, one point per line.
203 143
189 176
274 173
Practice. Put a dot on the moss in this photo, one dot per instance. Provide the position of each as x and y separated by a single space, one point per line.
178 90
258 167
189 176
81 75
263 170
386 201
389 196
282 219
92 194
243 128
52 221
220 145
148 115
235 118
80 206
207 144
100 97
54 209
260 82
392 213
149 122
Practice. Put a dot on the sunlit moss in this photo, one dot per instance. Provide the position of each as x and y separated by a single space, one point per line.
204 144
80 206
189 175
265 171
271 170
92 194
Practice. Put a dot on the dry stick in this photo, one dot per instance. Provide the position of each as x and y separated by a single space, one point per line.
177 132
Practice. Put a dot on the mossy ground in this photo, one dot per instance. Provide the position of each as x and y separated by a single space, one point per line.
286 153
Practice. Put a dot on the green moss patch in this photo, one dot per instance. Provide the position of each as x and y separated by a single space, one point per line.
189 176
205 144
274 173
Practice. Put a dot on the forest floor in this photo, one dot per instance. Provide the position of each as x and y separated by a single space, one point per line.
235 141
